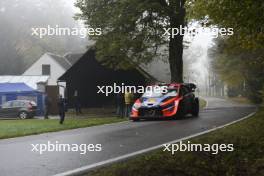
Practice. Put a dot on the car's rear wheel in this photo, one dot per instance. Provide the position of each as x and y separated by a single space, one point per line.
195 107
23 115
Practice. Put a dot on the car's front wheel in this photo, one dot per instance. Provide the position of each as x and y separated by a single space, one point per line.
23 115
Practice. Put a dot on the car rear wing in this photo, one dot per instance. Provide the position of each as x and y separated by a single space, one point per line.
191 86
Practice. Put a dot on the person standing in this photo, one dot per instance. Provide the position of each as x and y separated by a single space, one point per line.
62 108
129 100
120 104
47 103
77 103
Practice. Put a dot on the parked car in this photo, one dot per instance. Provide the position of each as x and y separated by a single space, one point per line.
177 101
22 109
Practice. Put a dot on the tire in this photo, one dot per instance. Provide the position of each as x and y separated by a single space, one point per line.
135 120
180 112
195 107
23 115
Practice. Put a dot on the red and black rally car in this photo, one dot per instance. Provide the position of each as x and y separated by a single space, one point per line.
178 100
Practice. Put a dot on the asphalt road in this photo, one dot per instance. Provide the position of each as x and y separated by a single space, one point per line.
17 159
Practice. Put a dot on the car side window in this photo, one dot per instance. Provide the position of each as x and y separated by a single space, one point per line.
16 104
7 105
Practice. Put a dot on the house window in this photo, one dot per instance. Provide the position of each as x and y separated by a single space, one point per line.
45 69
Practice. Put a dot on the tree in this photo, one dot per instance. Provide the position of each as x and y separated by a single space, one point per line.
239 59
245 17
241 70
134 30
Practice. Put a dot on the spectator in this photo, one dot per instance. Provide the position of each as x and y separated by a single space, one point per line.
129 100
77 103
62 108
120 104
47 103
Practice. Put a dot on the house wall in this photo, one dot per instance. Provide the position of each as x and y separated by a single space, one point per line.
55 68
88 73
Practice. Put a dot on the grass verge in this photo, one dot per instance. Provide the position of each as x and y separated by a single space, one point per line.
16 128
202 103
241 100
247 158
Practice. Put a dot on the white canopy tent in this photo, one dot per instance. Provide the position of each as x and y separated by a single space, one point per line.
31 81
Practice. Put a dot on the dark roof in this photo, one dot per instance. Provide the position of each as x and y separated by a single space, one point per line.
143 71
73 57
15 87
90 54
67 61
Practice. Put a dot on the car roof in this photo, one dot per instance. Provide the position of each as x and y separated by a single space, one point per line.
176 85
19 100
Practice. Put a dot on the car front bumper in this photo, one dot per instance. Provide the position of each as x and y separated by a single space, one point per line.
156 112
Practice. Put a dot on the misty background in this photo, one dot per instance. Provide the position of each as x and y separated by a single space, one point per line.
19 49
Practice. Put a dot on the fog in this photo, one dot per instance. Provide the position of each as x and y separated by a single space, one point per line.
195 59
19 49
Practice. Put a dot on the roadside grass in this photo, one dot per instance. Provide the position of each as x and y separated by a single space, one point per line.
202 103
242 100
16 128
247 159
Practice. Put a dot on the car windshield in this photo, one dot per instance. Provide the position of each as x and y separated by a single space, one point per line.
152 93
172 93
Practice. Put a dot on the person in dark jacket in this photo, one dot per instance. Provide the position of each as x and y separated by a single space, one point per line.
120 104
47 103
62 109
77 105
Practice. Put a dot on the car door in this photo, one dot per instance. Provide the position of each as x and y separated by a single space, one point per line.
2 112
16 106
6 110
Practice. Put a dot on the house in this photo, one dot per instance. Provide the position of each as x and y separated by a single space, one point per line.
53 66
20 91
87 73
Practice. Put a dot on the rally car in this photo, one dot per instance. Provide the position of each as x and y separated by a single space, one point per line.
177 101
